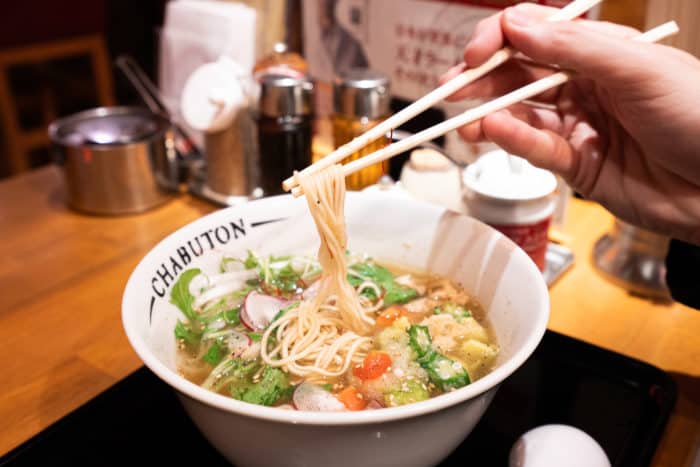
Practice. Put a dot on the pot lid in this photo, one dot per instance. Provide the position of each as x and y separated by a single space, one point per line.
107 126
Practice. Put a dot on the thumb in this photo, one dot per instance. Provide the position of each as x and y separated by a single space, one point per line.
600 51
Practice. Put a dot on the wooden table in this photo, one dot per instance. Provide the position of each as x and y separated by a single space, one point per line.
62 275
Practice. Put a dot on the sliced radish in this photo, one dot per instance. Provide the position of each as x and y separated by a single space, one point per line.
238 343
374 405
308 396
259 310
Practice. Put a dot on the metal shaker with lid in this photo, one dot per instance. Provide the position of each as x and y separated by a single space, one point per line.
216 101
284 129
361 100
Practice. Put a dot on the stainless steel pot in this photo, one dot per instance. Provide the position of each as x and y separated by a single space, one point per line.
116 160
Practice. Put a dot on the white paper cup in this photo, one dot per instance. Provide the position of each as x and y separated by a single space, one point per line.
513 196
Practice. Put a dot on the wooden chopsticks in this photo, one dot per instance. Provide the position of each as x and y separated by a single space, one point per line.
653 35
571 11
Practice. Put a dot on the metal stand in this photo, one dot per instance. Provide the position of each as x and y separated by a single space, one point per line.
634 259
197 185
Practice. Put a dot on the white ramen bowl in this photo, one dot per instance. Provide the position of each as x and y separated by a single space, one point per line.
398 231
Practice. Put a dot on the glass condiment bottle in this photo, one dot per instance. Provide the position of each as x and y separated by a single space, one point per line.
284 129
281 61
361 100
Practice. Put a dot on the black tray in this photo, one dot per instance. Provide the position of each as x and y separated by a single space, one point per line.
623 403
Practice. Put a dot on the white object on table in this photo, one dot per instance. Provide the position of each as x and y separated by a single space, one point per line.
199 32
557 446
214 94
216 100
513 196
507 190
430 176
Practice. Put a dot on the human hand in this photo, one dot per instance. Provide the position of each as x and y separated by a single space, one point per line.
622 132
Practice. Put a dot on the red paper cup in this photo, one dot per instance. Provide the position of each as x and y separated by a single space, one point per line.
515 198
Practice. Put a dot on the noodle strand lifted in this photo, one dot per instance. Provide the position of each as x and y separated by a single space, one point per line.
323 335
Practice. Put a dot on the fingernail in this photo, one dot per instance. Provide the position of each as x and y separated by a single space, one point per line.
504 113
517 17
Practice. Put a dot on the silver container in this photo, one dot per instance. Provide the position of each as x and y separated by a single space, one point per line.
362 93
283 96
116 160
635 259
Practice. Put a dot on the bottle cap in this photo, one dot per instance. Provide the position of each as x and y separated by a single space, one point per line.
429 160
281 62
361 92
285 96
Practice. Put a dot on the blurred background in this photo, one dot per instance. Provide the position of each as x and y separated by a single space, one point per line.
56 58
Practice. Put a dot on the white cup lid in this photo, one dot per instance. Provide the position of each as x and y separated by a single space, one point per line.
500 175
213 95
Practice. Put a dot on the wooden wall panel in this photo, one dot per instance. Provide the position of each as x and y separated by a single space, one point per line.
628 12
686 13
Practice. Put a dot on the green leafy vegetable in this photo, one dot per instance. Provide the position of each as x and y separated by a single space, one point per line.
370 293
284 279
328 387
255 336
251 261
393 293
232 316
215 354
233 371
180 295
185 333
226 308
288 273
373 272
273 386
